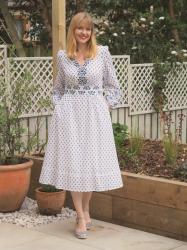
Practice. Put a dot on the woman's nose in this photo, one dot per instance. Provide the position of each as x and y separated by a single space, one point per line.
84 31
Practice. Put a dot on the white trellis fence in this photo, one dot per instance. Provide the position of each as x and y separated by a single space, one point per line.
135 108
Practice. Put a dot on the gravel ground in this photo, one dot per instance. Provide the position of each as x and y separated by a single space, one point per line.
28 216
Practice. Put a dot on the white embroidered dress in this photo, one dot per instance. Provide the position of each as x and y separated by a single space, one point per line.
80 154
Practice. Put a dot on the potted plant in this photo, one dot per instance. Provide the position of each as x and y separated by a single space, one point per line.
50 200
15 167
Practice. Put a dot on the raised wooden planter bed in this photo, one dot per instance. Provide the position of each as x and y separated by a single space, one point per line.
150 204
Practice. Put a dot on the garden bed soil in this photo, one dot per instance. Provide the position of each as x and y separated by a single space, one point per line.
151 161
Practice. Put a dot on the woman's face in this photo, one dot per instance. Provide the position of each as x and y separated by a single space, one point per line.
83 33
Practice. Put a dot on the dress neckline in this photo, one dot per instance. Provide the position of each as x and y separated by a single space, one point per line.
86 61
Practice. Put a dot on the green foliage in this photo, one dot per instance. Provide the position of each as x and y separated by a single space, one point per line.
170 149
119 24
136 143
49 188
181 172
12 105
120 134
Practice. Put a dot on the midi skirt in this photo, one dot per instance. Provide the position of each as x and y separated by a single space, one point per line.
80 153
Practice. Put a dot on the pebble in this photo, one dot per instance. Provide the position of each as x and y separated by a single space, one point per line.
28 216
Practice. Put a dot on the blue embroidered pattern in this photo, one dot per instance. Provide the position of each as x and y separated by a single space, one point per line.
83 90
82 71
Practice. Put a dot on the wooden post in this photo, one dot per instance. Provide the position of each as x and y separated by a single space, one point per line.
59 28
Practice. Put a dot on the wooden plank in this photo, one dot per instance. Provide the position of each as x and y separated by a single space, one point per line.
33 129
42 130
58 28
150 216
128 119
153 190
147 125
184 126
160 127
24 138
141 125
173 123
154 126
134 124
101 205
121 116
114 116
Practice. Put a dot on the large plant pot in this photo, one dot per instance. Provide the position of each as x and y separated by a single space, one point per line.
14 185
50 203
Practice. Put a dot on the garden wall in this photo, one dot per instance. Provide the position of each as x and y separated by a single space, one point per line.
147 203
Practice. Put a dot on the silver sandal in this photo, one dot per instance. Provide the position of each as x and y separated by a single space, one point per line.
82 234
88 225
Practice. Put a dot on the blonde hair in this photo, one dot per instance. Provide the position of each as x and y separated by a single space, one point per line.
71 47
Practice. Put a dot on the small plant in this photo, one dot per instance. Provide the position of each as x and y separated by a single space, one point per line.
49 188
120 134
170 149
136 143
13 102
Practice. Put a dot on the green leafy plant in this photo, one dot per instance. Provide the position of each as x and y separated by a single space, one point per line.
49 188
170 149
13 102
120 134
136 143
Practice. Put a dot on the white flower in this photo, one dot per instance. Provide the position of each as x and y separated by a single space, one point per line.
142 19
178 63
151 23
101 32
115 34
106 23
143 25
172 40
185 54
184 50
123 33
173 52
161 18
151 8
134 47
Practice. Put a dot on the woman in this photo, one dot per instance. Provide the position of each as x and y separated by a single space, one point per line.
81 155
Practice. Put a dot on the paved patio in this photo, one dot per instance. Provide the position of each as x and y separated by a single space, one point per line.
59 235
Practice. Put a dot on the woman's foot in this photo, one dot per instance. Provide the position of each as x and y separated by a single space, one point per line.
88 220
80 229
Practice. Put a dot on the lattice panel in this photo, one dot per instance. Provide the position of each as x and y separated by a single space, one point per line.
121 64
2 62
41 72
141 94
176 88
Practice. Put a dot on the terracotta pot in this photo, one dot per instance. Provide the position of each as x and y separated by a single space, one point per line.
50 203
14 185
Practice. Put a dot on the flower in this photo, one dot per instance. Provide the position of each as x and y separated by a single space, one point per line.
172 40
123 33
173 52
101 32
115 34
161 18
184 50
134 48
185 54
142 19
151 8
151 23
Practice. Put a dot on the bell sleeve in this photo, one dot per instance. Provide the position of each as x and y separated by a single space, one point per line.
58 87
111 85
